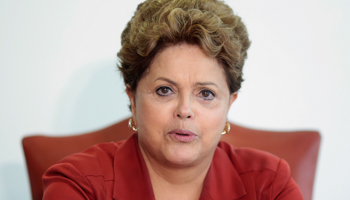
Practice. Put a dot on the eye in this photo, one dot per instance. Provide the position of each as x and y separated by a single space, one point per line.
164 91
207 95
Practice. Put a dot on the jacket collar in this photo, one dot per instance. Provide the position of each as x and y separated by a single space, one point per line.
132 180
222 180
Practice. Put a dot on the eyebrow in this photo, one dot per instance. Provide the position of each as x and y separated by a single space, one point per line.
167 80
205 83
196 84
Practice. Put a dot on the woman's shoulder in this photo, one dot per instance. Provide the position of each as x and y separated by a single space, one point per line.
94 161
80 175
260 171
249 159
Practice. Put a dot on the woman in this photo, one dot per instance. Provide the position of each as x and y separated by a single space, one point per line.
182 65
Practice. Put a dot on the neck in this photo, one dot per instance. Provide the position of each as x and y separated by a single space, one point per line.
177 182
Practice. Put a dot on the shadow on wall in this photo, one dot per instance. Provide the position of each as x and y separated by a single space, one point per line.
14 178
93 98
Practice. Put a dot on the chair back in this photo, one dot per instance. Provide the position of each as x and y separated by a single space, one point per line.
298 148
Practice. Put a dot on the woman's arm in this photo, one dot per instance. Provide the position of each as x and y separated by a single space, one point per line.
291 191
284 187
64 181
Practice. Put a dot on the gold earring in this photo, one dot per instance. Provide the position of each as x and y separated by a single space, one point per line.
131 124
227 128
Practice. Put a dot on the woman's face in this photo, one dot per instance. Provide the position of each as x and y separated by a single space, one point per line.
180 106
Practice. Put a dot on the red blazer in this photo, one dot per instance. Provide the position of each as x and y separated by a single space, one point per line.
118 171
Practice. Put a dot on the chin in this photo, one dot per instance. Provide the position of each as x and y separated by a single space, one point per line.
183 157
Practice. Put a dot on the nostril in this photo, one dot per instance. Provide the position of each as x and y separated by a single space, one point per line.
187 117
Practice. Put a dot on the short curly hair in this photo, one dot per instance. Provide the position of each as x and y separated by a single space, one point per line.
157 24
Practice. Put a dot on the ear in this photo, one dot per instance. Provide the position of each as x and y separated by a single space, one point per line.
233 98
131 96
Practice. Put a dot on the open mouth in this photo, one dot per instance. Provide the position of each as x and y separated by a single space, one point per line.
182 135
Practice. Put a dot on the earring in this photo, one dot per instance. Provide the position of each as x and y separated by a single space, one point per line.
227 128
131 124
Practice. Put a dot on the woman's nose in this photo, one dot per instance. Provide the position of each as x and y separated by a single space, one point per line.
184 109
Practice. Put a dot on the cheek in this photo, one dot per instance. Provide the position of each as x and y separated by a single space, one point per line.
150 115
212 121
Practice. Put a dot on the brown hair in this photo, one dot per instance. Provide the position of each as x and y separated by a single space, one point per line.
158 24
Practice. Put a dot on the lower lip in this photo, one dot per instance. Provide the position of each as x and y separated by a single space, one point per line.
183 138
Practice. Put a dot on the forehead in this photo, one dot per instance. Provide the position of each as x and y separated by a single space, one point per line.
186 61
